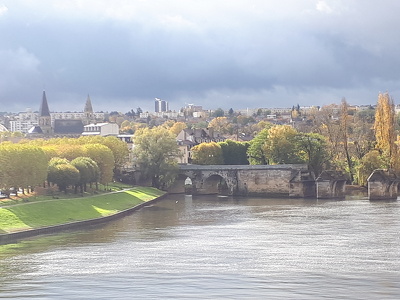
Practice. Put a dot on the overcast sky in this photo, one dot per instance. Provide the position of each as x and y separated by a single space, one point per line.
215 53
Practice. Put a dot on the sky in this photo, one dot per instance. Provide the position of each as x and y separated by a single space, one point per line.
213 53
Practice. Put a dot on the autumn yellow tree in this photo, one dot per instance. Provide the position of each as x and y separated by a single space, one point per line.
221 124
156 155
22 166
104 158
384 128
207 154
279 147
177 127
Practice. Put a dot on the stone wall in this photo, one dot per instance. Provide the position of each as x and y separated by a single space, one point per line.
268 182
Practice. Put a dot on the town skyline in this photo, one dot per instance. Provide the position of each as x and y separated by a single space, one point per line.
153 110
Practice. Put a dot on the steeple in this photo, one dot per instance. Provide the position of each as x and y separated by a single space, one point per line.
44 107
88 111
88 106
44 117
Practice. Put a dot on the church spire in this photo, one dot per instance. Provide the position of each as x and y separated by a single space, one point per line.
44 107
88 106
89 115
44 117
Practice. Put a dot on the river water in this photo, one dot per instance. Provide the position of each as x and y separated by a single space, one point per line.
211 247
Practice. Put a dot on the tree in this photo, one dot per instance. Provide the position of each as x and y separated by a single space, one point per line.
254 129
344 130
130 114
384 127
199 125
155 154
207 154
312 148
88 170
362 133
219 112
280 148
327 124
22 166
119 148
177 127
69 151
62 173
104 158
370 162
234 153
221 124
255 152
125 124
34 162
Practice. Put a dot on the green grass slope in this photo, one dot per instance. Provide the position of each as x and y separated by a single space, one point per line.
60 211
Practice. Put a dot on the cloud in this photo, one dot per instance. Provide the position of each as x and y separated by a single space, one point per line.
322 6
3 9
18 68
256 52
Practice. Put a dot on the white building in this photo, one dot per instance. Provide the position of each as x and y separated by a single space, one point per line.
160 105
24 121
276 110
74 115
22 126
102 129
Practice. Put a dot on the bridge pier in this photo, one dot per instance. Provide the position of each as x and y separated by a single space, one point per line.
383 184
331 184
302 185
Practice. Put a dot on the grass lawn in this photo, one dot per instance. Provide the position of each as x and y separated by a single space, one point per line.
59 211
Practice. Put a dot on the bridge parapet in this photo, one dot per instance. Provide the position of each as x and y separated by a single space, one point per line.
243 167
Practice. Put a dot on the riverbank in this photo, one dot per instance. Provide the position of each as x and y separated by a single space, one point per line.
32 218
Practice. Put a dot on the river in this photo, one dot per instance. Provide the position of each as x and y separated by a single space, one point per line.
210 247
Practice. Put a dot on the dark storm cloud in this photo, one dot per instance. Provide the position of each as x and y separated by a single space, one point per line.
241 54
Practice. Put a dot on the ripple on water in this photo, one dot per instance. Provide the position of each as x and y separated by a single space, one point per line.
224 249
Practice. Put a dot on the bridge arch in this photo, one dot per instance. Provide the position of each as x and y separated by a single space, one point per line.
182 184
215 184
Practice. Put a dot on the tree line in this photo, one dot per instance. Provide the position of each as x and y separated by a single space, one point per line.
62 161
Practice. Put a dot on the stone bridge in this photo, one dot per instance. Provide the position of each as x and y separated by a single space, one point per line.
258 180
292 180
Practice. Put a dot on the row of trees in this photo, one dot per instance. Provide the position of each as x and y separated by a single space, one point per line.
63 161
281 144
